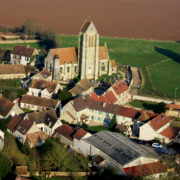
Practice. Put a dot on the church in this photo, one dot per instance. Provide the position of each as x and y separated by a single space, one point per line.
90 60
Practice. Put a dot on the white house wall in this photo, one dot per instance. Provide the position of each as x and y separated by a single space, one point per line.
146 132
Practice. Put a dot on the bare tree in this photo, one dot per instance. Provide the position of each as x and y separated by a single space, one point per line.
31 27
56 157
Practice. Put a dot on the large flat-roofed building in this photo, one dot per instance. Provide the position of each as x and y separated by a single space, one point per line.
117 150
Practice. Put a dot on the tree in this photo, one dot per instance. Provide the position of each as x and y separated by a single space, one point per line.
113 122
3 124
64 95
85 126
160 108
25 148
5 165
51 39
32 27
56 157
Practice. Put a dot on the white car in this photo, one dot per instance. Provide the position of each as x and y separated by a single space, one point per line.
157 145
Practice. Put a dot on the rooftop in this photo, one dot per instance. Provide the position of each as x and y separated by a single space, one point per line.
80 134
14 122
12 69
120 87
116 146
66 131
39 101
67 55
43 84
45 73
23 51
37 137
5 106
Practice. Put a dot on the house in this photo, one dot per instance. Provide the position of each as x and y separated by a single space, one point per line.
89 61
125 128
23 55
39 103
1 139
47 120
77 139
36 139
42 88
116 94
43 75
21 128
117 151
101 112
65 134
159 128
173 110
8 109
24 129
83 87
16 71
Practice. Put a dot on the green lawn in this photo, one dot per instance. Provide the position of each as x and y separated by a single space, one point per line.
160 79
11 46
144 105
176 124
95 129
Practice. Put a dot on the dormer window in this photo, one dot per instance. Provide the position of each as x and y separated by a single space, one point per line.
162 116
157 120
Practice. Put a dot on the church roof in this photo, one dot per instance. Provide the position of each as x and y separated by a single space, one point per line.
103 53
85 26
113 63
65 54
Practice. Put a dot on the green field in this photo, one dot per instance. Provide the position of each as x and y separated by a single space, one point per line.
144 105
160 79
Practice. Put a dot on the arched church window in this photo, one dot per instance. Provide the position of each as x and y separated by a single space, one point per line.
103 67
89 70
60 69
68 69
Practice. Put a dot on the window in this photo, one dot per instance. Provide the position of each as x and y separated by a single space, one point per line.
68 69
84 110
103 67
91 110
75 68
60 69
89 70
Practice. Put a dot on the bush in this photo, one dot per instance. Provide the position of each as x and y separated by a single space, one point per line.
160 108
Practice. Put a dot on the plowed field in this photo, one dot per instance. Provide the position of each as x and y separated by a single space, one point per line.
144 19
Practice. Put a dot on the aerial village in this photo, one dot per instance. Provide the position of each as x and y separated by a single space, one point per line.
96 122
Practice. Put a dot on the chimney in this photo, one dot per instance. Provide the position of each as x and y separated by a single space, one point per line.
28 46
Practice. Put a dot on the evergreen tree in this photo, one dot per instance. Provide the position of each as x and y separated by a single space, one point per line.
160 108
113 122
5 165
25 148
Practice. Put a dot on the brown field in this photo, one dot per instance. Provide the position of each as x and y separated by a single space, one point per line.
149 19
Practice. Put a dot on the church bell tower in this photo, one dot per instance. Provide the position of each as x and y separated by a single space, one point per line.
88 51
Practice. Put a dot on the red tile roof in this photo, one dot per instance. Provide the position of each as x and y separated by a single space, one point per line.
103 53
65 55
169 132
102 98
145 169
129 112
120 87
66 131
159 121
173 106
94 96
111 97
113 63
80 134
45 73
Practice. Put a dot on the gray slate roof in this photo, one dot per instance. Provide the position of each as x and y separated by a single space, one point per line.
117 146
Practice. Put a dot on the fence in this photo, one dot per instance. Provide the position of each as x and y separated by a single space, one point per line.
19 41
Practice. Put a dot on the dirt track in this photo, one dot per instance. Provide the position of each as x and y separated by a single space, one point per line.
149 19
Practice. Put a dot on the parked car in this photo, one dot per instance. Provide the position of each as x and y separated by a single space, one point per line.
157 145
146 143
166 152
